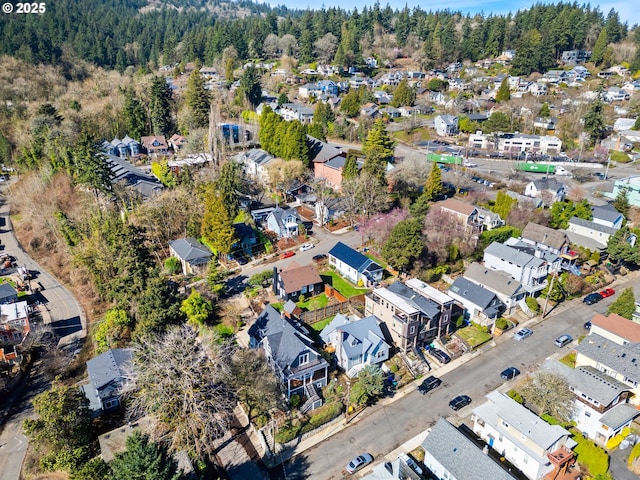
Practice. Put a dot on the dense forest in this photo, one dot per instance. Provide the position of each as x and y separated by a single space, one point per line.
121 33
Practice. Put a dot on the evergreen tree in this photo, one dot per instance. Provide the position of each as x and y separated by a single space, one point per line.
135 116
403 95
594 123
350 169
497 122
545 111
160 102
350 104
227 185
378 149
217 229
144 460
504 94
624 305
621 202
92 166
197 309
404 244
197 99
250 85
600 47
433 187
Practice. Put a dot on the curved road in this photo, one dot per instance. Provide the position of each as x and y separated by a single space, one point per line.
68 322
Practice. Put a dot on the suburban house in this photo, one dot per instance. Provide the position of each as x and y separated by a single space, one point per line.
507 288
355 266
522 264
524 201
394 470
616 94
177 142
631 188
289 351
355 342
328 162
291 282
450 454
317 89
613 348
547 189
14 322
155 145
414 312
446 125
607 215
295 111
133 178
532 445
600 407
481 305
107 374
245 237
284 223
255 164
466 216
127 147
8 294
489 219
193 255
545 239
595 231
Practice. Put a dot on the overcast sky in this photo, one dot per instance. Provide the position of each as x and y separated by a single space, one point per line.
628 10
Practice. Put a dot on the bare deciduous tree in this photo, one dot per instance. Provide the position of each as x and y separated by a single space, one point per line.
325 47
442 231
182 381
548 393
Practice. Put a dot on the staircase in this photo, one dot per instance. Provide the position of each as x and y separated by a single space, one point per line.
313 398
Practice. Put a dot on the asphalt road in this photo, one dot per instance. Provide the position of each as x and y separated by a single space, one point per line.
384 428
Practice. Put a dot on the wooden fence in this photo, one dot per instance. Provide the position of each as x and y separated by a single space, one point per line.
319 314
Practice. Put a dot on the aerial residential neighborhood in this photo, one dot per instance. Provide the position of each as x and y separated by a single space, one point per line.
241 241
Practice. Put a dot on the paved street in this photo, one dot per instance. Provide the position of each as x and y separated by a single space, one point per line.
387 426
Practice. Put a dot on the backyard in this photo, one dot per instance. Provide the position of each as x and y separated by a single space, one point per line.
344 287
473 335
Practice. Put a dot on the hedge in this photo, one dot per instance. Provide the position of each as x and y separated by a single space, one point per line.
591 456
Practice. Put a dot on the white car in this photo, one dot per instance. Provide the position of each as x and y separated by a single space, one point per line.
359 462
306 246
522 334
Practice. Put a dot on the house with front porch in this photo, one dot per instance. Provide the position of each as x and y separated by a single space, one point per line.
155 145
466 216
545 239
355 342
600 408
290 353
194 256
284 223
107 373
480 304
355 266
533 446
548 190
294 281
507 288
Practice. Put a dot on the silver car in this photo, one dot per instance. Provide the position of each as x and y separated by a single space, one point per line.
522 334
359 462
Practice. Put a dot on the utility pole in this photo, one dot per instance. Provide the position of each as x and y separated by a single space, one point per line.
606 171
546 302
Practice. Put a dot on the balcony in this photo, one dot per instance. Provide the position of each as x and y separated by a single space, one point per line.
569 255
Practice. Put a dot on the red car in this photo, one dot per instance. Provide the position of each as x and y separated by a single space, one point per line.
607 292
287 254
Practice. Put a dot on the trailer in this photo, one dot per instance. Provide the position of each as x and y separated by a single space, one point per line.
442 158
547 168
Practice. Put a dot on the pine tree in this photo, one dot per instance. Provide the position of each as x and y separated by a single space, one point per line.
594 123
198 100
144 460
403 95
599 48
250 85
136 121
227 185
545 111
91 166
378 149
217 229
160 103
433 187
350 168
504 94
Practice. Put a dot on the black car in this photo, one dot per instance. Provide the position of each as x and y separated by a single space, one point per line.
510 373
429 384
592 298
321 257
459 402
440 355
587 325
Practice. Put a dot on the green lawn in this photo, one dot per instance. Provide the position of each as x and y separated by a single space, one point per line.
379 261
318 326
569 360
314 303
591 456
343 286
473 336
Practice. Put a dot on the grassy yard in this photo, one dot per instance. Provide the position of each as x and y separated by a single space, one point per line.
318 326
343 286
591 456
314 303
569 360
379 261
473 336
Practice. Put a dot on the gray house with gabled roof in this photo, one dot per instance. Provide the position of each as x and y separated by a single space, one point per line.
290 353
481 305
106 377
592 230
354 265
448 453
8 294
284 223
607 215
356 343
193 255
507 288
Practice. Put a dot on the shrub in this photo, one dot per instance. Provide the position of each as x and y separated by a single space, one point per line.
591 456
634 456
394 368
615 441
515 396
322 415
533 304
286 433
502 323
172 265
294 401
460 322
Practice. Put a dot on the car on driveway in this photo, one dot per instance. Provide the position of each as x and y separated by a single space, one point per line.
510 373
440 355
607 292
522 334
592 298
459 402
563 340
321 257
429 384
359 462
306 246
288 254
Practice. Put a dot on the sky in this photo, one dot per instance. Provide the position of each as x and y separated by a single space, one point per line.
627 9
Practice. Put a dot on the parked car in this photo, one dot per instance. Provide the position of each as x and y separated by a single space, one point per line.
306 246
359 462
607 292
563 340
522 334
592 298
440 355
321 257
510 373
411 463
288 254
459 402
429 384
587 325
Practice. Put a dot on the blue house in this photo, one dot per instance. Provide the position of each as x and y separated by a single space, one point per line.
355 266
284 223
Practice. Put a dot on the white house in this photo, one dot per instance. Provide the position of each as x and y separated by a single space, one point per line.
595 231
616 94
255 164
446 125
480 304
528 442
547 189
607 215
353 265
